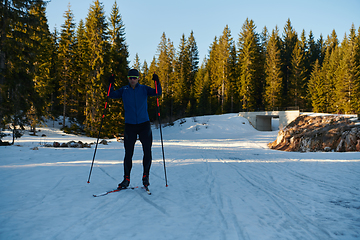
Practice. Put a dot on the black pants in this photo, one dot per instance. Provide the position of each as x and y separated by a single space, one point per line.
130 136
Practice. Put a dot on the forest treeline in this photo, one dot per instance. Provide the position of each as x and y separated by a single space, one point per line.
65 72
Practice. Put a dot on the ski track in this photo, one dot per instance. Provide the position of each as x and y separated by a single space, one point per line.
284 207
258 178
219 189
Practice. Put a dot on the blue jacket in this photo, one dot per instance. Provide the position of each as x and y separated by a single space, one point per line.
135 101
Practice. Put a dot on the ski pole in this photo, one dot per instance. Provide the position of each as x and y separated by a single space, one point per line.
97 141
162 144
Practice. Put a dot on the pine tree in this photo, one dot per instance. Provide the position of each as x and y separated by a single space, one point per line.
115 120
329 69
186 66
119 67
357 81
194 66
182 75
289 41
165 71
43 47
17 58
297 80
137 64
250 67
119 50
313 53
146 74
81 72
213 76
97 38
331 42
66 56
348 74
273 88
202 90
317 89
264 40
226 45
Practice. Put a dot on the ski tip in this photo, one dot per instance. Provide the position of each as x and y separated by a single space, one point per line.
167 185
88 181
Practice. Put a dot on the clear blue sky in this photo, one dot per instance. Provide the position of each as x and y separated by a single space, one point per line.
146 20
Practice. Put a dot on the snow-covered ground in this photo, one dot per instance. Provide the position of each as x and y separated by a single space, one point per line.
224 183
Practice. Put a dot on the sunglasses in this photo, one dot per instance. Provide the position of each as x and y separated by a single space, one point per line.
133 77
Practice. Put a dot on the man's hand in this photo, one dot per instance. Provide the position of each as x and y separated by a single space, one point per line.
155 78
112 79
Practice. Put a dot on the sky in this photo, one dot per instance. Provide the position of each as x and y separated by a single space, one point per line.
145 21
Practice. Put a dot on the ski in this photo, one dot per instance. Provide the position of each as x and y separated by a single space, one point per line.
112 191
146 189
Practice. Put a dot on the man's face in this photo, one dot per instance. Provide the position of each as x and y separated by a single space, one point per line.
133 80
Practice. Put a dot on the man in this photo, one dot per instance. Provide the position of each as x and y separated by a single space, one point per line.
137 122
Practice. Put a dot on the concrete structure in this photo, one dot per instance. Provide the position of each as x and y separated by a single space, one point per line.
262 120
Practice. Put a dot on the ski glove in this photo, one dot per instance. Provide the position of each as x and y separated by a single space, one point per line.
155 78
111 79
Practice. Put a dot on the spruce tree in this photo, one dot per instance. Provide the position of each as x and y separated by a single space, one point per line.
118 48
273 87
202 90
55 107
317 89
81 72
43 48
96 85
194 66
329 69
17 58
250 70
297 80
146 74
348 74
66 56
118 57
182 73
225 47
212 74
165 71
289 41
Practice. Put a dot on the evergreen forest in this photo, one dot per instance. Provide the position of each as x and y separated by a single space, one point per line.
46 74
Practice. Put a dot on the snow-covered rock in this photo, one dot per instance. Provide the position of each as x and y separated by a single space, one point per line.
318 133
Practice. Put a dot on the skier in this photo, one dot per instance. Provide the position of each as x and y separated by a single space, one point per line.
137 122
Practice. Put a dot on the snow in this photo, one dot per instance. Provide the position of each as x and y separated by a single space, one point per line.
224 183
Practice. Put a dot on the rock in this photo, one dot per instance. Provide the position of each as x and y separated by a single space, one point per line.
320 133
87 145
327 149
80 144
340 146
4 143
